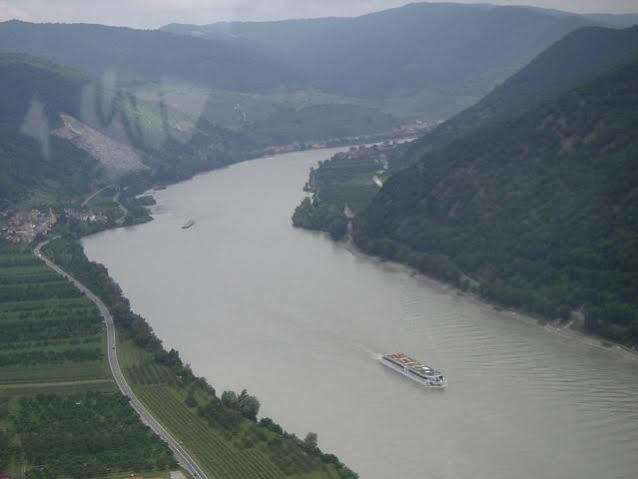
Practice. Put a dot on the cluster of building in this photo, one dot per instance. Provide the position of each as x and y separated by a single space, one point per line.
406 130
25 226
377 153
415 128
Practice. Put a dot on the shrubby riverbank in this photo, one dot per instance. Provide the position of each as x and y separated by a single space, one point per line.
186 403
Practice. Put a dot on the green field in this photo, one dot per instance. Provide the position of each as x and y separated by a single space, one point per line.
59 407
50 332
343 180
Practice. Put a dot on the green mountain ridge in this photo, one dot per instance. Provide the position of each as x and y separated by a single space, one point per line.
141 55
540 209
567 63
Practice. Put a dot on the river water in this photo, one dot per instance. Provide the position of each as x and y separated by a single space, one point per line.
252 303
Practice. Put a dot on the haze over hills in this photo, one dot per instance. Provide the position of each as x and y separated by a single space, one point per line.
444 56
421 61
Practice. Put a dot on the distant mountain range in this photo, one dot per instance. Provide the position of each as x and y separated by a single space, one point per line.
421 61
142 55
432 53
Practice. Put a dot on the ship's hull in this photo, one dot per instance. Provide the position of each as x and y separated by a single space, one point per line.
413 376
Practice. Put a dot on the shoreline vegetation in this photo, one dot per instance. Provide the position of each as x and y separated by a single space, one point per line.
342 187
187 405
562 330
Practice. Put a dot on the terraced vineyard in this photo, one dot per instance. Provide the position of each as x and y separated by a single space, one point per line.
246 450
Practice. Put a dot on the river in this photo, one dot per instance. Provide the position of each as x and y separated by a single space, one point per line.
298 320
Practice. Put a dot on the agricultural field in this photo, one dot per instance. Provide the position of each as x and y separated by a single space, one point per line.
59 408
222 433
225 445
349 180
49 331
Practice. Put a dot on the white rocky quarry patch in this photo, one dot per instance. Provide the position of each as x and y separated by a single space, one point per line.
116 157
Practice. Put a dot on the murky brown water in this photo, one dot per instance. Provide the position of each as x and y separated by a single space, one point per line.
252 303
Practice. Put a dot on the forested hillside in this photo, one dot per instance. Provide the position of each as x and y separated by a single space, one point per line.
107 134
564 65
568 63
541 210
35 92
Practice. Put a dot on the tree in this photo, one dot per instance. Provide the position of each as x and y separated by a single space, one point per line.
248 405
229 399
311 440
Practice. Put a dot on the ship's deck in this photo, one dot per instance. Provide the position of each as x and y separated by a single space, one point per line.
403 360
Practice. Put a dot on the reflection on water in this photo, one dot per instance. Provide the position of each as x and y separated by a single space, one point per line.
252 303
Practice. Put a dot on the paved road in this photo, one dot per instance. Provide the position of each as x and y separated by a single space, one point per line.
185 460
94 194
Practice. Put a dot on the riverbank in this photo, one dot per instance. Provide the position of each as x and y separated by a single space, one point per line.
223 437
506 313
312 316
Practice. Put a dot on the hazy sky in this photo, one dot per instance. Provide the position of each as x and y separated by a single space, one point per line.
154 13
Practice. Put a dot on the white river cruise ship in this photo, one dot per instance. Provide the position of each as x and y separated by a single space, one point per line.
422 374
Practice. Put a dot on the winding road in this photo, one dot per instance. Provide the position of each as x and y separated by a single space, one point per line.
116 200
184 459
